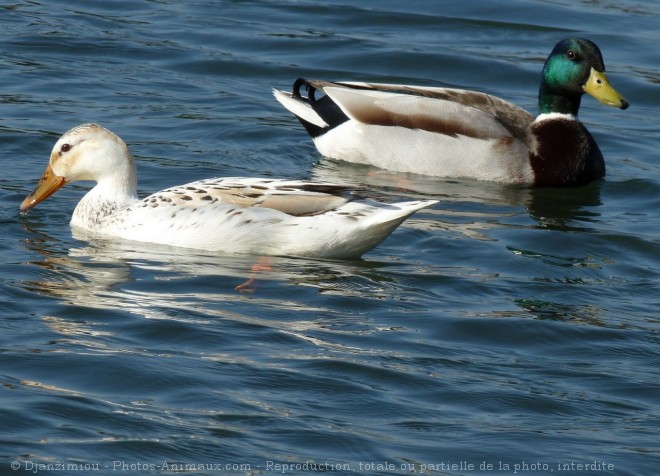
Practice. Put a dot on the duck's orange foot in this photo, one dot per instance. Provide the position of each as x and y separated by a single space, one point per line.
250 286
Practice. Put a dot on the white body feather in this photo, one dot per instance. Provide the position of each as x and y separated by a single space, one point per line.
426 153
349 230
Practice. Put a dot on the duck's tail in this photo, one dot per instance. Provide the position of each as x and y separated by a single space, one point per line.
357 227
317 115
300 107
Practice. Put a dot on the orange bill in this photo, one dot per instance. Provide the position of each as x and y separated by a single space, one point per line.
48 185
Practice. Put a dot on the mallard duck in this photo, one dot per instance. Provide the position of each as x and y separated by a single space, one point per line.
244 215
464 134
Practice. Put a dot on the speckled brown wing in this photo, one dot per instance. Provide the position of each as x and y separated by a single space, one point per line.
291 197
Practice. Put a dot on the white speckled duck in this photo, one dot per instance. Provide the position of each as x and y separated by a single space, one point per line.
243 215
465 134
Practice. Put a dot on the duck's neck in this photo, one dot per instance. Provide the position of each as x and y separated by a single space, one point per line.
107 197
562 104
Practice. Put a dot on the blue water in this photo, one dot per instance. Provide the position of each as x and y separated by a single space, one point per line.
504 331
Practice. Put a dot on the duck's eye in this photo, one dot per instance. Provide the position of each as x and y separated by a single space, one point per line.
65 148
571 54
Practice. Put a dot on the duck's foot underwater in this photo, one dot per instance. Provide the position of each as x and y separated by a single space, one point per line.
250 286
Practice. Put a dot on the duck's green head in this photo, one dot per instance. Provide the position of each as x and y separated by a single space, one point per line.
574 67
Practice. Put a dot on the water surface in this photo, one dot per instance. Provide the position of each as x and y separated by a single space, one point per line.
504 326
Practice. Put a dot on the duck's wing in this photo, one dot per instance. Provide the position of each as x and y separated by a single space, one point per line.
444 110
296 198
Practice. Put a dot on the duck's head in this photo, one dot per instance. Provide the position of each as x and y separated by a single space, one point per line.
86 152
575 66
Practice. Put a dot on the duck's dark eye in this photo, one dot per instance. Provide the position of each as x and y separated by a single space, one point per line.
571 54
65 148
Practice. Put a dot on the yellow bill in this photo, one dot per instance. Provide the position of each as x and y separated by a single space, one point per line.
599 87
48 185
